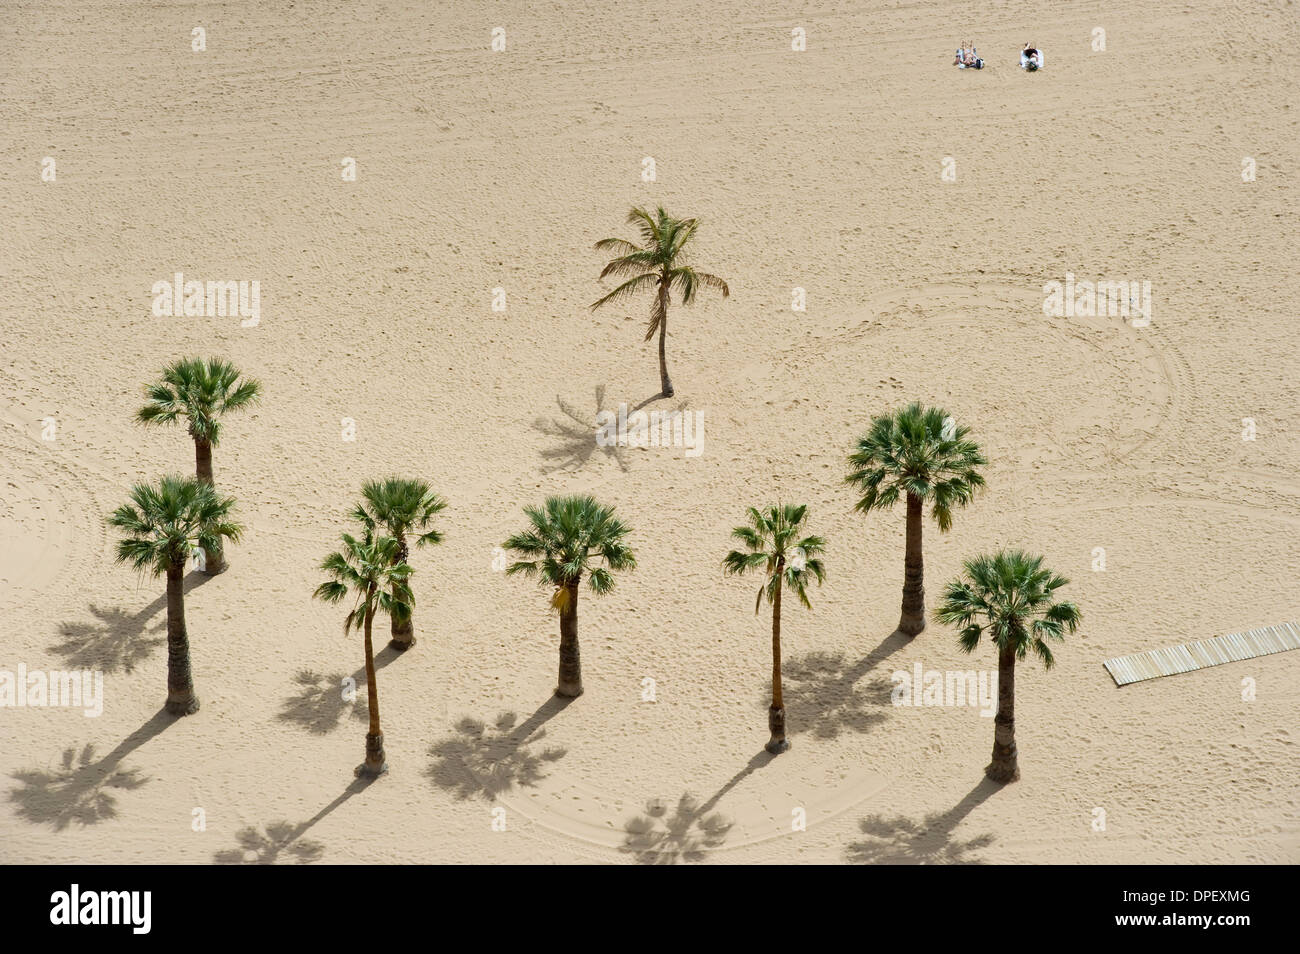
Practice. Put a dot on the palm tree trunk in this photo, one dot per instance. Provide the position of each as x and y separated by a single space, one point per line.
913 619
570 684
214 560
181 699
776 714
403 628
665 382
203 461
1004 766
376 763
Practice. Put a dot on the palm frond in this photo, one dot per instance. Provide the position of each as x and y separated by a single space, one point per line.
628 288
166 520
1008 595
200 390
769 539
659 258
568 535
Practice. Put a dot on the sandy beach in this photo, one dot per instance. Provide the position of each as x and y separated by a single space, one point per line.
921 209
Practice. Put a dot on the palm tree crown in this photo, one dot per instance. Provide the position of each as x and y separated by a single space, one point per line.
201 391
770 542
916 452
365 568
1009 595
567 533
165 521
660 259
400 506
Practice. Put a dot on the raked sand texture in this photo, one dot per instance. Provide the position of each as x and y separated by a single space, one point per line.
820 169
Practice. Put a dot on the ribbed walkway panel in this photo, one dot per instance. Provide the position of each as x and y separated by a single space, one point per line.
1233 647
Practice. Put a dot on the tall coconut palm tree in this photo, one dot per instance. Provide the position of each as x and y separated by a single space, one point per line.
918 454
772 542
658 262
200 390
162 525
568 534
401 506
1009 595
366 569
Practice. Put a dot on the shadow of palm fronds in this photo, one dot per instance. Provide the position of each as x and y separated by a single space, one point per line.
486 762
283 837
320 705
321 702
684 834
825 695
257 848
691 831
576 432
929 841
115 641
83 789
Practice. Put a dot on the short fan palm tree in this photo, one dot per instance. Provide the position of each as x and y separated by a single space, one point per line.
162 525
919 455
659 262
566 537
366 569
1009 596
400 507
787 561
200 391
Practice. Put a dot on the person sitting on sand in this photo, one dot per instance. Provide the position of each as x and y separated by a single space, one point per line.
1030 55
960 58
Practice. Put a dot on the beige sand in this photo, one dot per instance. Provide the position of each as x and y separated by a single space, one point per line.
819 169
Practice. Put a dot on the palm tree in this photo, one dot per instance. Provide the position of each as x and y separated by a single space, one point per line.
201 391
770 543
917 453
162 525
659 261
367 569
400 506
1009 594
567 535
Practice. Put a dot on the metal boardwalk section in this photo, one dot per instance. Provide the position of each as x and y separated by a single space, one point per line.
1206 652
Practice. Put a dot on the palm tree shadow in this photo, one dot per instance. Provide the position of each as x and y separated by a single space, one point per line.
117 641
690 831
577 437
889 645
652 398
928 841
82 789
824 694
283 837
320 705
486 762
